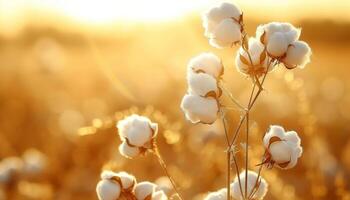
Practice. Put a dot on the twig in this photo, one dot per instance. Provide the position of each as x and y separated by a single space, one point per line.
164 166
228 154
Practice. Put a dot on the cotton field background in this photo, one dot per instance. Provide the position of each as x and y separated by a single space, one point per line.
69 71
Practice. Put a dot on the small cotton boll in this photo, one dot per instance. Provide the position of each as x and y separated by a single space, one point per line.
108 190
252 179
201 83
128 181
137 129
288 30
216 14
226 34
283 147
128 151
218 195
200 109
163 183
144 190
259 63
298 55
208 63
277 45
159 195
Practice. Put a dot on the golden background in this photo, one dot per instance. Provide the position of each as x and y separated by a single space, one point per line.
70 69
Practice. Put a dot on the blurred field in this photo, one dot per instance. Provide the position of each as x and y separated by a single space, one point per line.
54 82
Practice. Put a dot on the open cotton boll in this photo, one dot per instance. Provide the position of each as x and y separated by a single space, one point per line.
159 195
226 33
137 129
288 30
298 55
208 63
218 195
251 181
128 151
277 45
108 190
215 15
283 147
128 181
200 109
9 167
144 190
257 63
201 84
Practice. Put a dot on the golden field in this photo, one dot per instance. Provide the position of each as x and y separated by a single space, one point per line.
63 90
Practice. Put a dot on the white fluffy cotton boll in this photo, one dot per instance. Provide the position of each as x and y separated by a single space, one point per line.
218 195
137 129
226 34
251 181
201 84
207 63
298 55
215 15
159 195
128 181
144 189
257 55
277 45
288 30
108 190
200 109
128 151
283 147
9 167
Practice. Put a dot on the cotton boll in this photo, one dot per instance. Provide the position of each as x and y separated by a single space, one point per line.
277 45
226 34
216 14
128 151
298 54
9 167
128 181
137 129
200 109
288 30
201 84
258 61
144 190
108 190
251 181
283 147
207 63
159 195
163 183
218 195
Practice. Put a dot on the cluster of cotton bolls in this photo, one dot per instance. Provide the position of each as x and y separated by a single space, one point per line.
201 103
32 163
137 134
114 186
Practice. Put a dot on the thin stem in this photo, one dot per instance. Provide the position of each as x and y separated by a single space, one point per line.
164 166
246 155
228 154
238 175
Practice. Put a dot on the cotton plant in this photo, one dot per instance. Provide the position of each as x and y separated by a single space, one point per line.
274 45
121 185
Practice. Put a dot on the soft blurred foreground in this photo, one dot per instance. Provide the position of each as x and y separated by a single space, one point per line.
63 89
